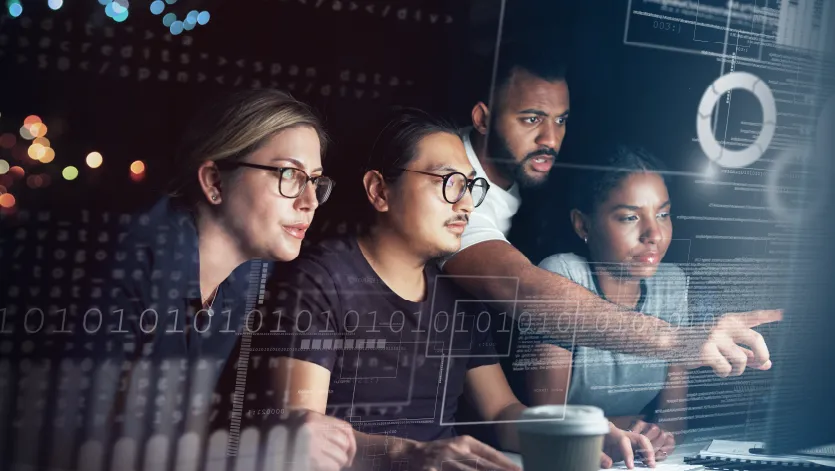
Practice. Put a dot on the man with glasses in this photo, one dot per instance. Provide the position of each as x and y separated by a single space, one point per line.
367 330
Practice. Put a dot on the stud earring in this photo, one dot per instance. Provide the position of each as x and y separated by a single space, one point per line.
214 197
586 240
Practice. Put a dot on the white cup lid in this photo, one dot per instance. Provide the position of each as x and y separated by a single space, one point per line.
564 420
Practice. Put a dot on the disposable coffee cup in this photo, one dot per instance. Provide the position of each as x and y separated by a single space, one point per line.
557 438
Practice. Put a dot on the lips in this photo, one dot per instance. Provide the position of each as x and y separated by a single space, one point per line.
456 227
542 163
296 230
652 258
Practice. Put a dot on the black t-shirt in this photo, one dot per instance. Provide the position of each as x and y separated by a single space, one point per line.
397 367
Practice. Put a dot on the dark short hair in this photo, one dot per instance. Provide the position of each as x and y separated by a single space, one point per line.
543 62
593 186
397 143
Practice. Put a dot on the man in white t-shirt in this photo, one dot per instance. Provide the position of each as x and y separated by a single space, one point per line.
515 142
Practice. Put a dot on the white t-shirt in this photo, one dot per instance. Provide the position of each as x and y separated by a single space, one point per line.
491 219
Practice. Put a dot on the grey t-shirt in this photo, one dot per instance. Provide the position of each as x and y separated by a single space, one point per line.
618 383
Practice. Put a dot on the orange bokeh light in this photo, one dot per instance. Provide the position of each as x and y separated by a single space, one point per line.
17 172
7 200
38 130
31 119
137 167
49 156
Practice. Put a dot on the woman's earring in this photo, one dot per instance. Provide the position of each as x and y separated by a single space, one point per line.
586 240
214 197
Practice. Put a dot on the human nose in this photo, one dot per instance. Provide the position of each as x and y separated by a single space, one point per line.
307 200
550 136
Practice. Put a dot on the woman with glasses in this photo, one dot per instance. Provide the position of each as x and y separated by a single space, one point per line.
247 182
371 330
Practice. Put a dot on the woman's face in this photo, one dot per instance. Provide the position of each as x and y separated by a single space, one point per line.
632 228
265 223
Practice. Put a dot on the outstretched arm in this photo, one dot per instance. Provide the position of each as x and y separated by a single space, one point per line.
486 267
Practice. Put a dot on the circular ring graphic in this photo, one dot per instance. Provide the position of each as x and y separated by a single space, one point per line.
711 147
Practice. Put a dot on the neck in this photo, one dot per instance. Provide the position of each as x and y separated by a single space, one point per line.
395 262
617 287
218 254
479 142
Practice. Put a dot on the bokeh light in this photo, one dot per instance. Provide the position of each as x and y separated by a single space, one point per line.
157 7
7 140
38 130
43 141
169 19
33 181
69 173
55 4
4 167
176 27
31 119
7 200
137 167
24 133
36 151
94 160
49 156
46 180
15 9
3 189
17 172
191 17
170 2
203 17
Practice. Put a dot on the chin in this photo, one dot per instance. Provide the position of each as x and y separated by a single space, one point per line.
533 180
643 272
285 252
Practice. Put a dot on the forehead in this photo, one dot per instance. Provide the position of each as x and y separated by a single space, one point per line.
639 189
441 149
298 143
527 91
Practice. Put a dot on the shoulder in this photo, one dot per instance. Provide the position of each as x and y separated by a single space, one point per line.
571 266
327 262
565 264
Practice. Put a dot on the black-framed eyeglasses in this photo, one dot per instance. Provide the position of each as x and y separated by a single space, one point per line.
456 184
291 181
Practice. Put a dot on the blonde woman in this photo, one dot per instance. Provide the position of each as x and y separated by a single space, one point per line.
247 182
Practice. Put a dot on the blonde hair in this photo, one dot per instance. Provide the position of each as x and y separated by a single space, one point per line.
234 127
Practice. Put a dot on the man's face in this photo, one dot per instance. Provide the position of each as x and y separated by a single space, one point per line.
267 224
528 127
417 208
631 230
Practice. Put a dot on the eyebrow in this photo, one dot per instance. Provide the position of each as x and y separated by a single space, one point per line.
636 208
448 168
541 113
296 162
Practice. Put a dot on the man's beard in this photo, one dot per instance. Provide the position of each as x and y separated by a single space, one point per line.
506 164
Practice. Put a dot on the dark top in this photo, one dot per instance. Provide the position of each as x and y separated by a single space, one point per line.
154 323
397 367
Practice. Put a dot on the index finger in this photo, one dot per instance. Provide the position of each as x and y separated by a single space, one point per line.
492 455
755 318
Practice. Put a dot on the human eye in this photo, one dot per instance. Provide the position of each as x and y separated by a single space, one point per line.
531 119
663 215
562 120
628 218
289 174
